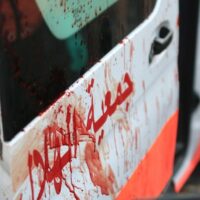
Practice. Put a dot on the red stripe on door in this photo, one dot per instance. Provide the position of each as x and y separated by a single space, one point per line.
155 170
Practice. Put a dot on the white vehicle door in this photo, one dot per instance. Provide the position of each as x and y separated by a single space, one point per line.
89 98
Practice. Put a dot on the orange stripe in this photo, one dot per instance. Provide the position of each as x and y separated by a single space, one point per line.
155 170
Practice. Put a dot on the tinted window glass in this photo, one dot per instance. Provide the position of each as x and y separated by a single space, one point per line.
36 67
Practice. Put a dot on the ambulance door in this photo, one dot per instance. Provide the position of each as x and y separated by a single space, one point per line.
89 98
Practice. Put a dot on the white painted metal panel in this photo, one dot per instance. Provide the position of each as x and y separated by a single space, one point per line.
112 114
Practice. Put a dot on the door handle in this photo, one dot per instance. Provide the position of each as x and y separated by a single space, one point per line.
161 42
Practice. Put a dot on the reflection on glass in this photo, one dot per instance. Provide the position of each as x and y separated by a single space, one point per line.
36 67
66 17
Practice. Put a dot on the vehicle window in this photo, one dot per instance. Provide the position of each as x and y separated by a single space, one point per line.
37 66
71 15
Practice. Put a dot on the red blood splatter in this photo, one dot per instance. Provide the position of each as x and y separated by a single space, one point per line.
131 50
116 145
124 55
143 86
54 172
136 138
45 110
127 106
58 111
30 174
157 104
97 173
176 76
145 107
90 86
101 137
20 197
55 137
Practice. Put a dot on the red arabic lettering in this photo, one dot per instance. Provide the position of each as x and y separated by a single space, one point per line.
49 173
101 137
55 137
111 108
30 175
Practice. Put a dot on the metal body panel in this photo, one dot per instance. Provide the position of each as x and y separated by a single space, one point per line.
89 142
